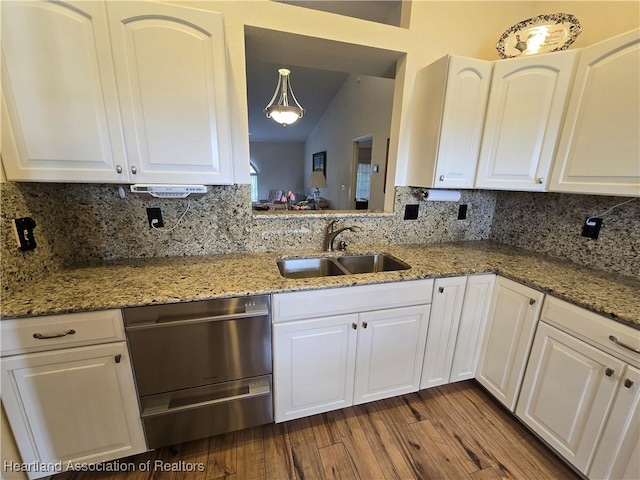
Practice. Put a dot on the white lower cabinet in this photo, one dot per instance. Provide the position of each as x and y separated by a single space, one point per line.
314 365
618 452
580 393
566 393
361 352
71 405
458 312
507 339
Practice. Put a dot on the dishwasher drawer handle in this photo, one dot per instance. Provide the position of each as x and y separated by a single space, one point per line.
253 392
218 318
619 343
40 336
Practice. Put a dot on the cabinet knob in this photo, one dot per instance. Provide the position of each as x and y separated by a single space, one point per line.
441 178
628 383
609 371
441 289
532 301
354 326
364 324
134 170
540 180
118 358
119 168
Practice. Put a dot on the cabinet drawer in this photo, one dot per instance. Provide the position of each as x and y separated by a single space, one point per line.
338 301
39 334
594 329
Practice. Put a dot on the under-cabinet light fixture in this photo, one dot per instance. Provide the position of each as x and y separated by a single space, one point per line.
281 111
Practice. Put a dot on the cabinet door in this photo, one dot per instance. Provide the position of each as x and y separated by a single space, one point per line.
600 146
61 120
475 309
446 307
524 114
618 453
313 365
390 352
567 392
512 320
171 70
73 405
450 100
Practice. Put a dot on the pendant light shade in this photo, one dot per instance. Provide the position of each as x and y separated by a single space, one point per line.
279 108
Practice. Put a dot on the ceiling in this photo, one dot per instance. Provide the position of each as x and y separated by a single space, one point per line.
319 67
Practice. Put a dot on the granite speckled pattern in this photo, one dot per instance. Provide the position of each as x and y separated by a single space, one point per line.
551 223
80 224
127 283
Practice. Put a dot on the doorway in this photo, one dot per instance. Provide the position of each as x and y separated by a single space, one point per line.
361 172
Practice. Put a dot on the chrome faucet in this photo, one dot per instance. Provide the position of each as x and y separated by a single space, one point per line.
331 234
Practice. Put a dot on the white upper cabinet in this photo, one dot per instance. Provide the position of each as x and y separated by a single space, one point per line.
449 106
114 92
524 115
599 150
171 70
60 108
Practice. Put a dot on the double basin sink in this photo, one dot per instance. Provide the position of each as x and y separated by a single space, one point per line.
340 265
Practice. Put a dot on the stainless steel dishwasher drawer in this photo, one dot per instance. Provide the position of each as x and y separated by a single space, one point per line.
195 413
198 343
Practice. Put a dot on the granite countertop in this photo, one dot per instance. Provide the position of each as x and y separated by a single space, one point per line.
129 283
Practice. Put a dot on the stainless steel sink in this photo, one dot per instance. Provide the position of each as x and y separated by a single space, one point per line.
341 265
378 262
309 268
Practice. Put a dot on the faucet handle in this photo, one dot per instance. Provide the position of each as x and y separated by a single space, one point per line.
331 224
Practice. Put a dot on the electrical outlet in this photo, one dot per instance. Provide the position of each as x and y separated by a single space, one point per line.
411 212
23 229
155 214
462 212
591 228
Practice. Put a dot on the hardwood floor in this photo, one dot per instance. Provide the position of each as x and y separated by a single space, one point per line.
451 432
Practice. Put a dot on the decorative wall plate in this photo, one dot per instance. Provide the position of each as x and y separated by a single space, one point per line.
541 34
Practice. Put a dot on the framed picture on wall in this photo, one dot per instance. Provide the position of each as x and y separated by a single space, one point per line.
319 163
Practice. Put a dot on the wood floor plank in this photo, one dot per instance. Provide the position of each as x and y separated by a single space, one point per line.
250 454
448 462
498 438
195 456
337 463
455 431
322 429
277 452
356 442
460 437
389 457
421 463
307 463
222 455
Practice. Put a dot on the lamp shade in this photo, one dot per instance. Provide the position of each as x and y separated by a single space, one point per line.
318 180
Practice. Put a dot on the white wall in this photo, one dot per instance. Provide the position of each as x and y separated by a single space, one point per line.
361 107
469 28
280 166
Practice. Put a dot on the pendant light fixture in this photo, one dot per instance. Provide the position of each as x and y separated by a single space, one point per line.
281 111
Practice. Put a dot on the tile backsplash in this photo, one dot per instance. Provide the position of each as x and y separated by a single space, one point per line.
82 224
86 224
551 223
